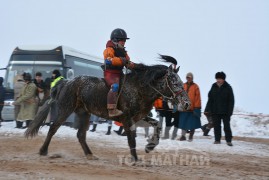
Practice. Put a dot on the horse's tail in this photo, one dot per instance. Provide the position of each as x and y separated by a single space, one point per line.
39 119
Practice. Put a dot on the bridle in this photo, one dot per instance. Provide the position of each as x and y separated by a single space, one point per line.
175 94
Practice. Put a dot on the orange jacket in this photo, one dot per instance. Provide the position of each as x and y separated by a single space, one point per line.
194 95
109 54
158 103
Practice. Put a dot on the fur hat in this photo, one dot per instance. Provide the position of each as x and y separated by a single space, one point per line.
189 75
220 75
27 76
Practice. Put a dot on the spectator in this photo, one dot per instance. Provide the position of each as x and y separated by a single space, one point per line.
158 104
95 120
19 84
220 105
190 120
27 100
40 87
119 132
169 114
56 78
2 97
206 127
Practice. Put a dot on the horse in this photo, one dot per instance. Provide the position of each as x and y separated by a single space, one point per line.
86 95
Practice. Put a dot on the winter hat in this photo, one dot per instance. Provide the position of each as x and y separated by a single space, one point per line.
220 75
27 76
189 75
57 73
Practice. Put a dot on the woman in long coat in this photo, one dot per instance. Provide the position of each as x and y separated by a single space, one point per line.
27 100
190 120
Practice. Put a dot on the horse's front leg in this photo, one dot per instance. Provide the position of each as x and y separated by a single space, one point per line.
131 134
154 141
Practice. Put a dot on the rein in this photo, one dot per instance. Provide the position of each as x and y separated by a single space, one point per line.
124 78
166 97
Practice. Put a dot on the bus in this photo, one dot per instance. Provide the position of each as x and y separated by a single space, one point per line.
45 59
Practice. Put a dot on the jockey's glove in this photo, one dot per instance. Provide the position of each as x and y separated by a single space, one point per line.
108 62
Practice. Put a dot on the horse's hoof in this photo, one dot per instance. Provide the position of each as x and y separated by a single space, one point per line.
41 153
92 157
149 147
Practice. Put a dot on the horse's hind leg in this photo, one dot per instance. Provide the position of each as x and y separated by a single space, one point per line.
83 126
61 117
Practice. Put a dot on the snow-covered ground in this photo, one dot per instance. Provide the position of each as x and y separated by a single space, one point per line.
243 125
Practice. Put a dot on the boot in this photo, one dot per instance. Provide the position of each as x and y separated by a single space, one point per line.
206 131
174 134
182 138
94 128
111 104
119 131
18 124
191 135
166 133
183 135
124 134
28 123
108 130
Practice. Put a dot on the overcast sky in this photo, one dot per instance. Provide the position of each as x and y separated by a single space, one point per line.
205 36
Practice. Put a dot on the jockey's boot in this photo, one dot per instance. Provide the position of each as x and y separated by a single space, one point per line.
94 128
108 130
112 104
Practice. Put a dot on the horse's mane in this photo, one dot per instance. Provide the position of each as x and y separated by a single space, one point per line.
150 74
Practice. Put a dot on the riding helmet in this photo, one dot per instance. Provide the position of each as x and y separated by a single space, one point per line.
118 34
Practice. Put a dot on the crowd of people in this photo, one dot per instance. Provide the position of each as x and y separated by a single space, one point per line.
219 108
29 95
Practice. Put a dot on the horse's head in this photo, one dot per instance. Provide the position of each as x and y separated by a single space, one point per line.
174 85
176 89
163 80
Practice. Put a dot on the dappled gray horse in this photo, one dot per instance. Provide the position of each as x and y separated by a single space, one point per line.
139 89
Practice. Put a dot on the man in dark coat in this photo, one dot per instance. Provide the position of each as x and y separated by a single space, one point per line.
220 106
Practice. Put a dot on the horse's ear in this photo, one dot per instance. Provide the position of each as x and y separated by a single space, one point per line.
170 68
177 69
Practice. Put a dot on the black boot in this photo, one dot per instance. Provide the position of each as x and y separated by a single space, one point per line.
28 123
124 134
191 135
18 124
119 131
94 127
108 130
206 131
